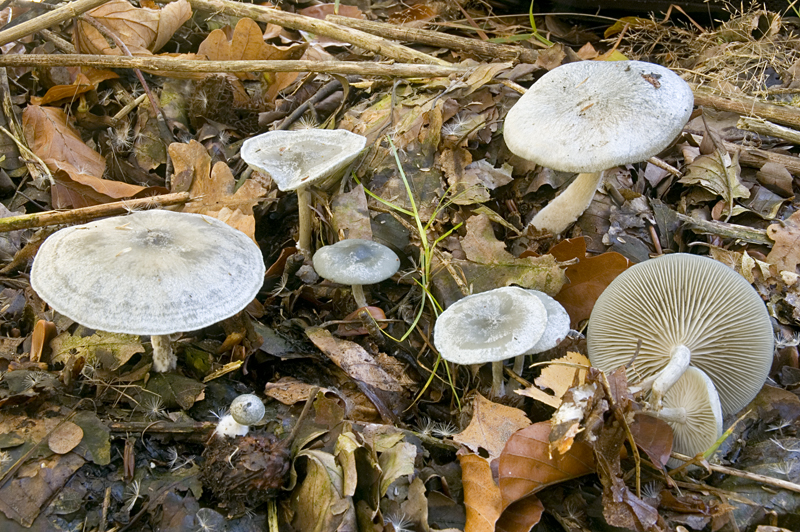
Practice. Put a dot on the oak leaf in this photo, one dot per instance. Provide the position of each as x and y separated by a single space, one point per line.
491 426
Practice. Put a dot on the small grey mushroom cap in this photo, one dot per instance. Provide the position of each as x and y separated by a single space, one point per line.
298 158
355 261
153 272
589 116
247 409
695 393
688 300
557 324
491 326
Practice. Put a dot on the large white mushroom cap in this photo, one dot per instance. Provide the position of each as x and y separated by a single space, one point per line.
698 423
355 261
298 158
685 300
152 273
557 324
589 116
491 326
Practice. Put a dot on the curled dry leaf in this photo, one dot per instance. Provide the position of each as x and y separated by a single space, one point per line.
653 436
527 467
785 253
482 497
84 79
491 426
65 437
557 377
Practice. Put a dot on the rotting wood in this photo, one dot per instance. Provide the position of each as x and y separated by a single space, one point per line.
781 114
377 45
503 52
85 214
764 127
155 64
741 233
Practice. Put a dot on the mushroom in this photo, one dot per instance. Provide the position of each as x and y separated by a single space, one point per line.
555 331
151 273
297 159
692 409
356 262
685 309
247 409
491 327
590 116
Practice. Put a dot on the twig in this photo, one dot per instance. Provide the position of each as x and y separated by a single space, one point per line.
782 114
726 230
162 427
503 52
43 219
62 14
157 64
293 21
755 477
763 127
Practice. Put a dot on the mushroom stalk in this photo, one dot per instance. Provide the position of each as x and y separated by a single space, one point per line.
679 361
497 379
304 219
164 358
566 208
672 415
358 295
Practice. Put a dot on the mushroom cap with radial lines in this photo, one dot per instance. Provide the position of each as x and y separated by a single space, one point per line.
589 116
491 326
702 425
355 261
688 300
153 272
298 158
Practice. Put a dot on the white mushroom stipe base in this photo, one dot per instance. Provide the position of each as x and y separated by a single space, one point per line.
589 116
297 159
246 410
149 273
683 307
490 327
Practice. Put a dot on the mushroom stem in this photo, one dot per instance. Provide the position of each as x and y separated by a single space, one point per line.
304 219
358 295
164 358
679 361
566 208
672 415
497 379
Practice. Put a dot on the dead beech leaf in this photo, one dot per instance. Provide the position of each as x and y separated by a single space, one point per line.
527 467
521 516
719 173
587 279
65 438
353 360
558 378
84 79
289 390
482 498
785 253
653 436
143 30
43 332
491 426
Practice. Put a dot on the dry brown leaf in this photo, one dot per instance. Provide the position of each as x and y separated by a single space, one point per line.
212 189
491 426
65 438
289 390
587 279
84 79
527 467
353 359
143 30
785 253
521 515
558 378
482 498
73 188
43 332
653 436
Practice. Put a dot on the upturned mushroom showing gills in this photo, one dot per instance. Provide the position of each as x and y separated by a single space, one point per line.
296 160
492 326
149 273
590 116
686 310
356 262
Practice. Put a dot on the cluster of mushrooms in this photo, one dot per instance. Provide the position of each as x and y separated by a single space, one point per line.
703 336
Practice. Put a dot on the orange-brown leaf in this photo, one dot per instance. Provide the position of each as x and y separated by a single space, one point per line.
653 436
526 466
482 498
521 516
491 426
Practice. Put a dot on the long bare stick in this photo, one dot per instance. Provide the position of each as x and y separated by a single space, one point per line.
69 11
770 481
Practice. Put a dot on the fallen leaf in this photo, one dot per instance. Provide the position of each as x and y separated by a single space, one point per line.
521 516
318 502
350 214
43 332
85 79
558 378
785 253
107 350
482 497
65 437
527 467
587 279
176 390
491 426
395 463
717 173
653 436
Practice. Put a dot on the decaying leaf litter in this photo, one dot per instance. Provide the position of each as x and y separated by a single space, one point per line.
365 428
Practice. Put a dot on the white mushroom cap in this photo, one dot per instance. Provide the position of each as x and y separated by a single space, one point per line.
692 409
247 409
557 324
589 116
491 326
355 261
295 159
690 301
152 272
